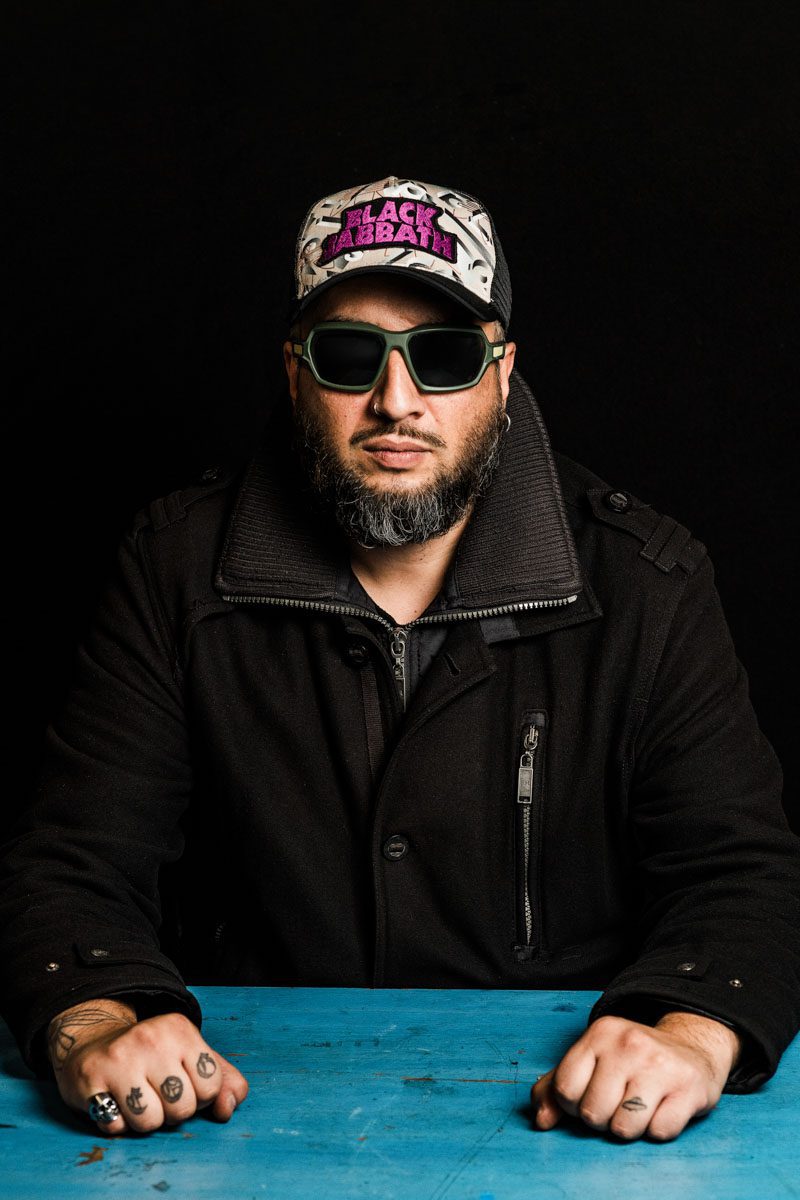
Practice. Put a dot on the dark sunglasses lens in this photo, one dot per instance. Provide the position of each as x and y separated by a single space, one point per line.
345 357
447 358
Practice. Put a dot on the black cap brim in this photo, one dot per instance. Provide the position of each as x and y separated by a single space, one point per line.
485 311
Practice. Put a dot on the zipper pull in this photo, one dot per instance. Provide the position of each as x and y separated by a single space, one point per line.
525 773
397 649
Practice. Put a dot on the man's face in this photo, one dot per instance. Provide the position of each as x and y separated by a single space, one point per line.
395 447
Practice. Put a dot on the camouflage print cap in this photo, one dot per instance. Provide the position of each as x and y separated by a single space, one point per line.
397 225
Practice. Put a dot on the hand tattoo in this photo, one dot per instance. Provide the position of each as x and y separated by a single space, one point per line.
60 1041
134 1101
206 1065
633 1103
172 1089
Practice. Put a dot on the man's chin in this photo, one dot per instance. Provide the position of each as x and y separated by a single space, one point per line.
378 506
399 483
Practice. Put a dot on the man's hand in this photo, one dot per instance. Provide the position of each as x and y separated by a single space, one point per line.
160 1071
632 1079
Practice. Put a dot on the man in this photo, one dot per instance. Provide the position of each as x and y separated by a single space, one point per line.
407 702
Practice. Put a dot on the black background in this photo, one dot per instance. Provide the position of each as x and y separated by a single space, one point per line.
639 160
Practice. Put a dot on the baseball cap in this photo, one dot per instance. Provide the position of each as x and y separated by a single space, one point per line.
394 226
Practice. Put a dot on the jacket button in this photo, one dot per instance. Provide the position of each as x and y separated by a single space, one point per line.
53 967
395 847
735 983
357 653
686 966
210 474
617 501
99 953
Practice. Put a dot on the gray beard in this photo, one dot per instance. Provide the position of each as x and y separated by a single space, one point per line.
386 518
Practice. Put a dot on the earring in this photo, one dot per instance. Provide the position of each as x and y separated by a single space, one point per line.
508 422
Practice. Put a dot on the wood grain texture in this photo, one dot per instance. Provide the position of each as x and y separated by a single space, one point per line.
394 1094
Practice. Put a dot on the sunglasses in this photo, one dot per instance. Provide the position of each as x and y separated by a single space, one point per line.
350 356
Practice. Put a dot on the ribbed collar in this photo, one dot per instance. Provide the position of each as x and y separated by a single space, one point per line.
517 547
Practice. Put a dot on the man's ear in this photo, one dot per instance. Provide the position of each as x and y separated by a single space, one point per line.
292 365
506 365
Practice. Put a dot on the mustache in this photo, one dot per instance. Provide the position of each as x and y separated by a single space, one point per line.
399 430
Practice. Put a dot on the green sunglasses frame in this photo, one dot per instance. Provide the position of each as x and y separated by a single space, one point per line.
394 340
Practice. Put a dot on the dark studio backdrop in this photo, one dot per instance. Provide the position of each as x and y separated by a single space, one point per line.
640 163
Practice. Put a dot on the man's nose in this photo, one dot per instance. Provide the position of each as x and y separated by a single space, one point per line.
395 395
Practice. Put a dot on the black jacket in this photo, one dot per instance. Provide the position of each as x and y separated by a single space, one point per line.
578 794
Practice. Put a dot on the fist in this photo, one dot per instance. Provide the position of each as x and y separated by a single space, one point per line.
632 1079
159 1071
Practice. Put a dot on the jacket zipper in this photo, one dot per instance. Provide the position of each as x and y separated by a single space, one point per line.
397 646
527 811
397 649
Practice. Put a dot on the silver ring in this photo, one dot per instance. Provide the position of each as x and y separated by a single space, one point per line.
103 1108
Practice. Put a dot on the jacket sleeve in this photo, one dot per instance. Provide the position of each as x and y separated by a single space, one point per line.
79 900
717 867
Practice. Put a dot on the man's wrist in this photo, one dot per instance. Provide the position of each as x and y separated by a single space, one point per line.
81 1023
713 1038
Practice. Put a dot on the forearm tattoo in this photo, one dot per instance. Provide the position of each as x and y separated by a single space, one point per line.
172 1089
63 1032
134 1101
206 1065
634 1103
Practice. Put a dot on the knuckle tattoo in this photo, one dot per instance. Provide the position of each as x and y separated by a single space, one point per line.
206 1065
172 1089
134 1101
634 1103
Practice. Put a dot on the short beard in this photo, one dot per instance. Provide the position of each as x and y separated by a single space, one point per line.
382 517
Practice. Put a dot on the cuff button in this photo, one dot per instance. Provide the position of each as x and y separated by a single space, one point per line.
735 983
99 953
687 966
617 501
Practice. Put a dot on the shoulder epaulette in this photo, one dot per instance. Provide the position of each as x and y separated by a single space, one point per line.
666 541
172 507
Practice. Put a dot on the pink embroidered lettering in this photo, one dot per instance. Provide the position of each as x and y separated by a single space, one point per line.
443 244
409 223
425 214
406 234
328 245
389 212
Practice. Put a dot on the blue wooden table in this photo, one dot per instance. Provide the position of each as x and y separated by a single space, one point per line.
395 1094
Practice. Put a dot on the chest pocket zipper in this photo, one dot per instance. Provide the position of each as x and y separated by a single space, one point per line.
528 803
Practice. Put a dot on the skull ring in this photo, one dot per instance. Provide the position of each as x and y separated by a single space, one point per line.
103 1108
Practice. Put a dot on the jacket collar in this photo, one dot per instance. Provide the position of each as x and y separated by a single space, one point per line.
517 547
